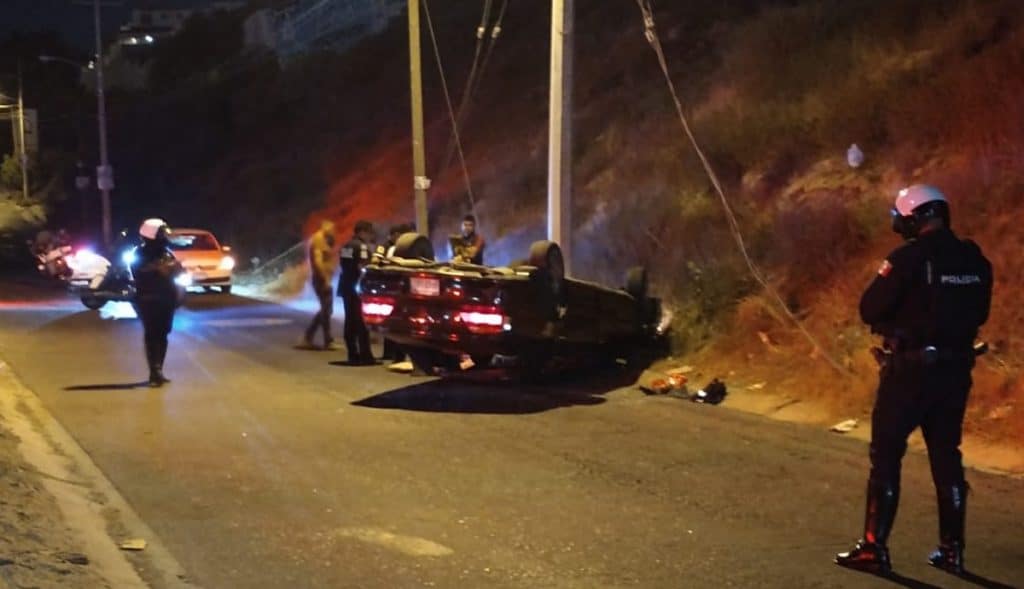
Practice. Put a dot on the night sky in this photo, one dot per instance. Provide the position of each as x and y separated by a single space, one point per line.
71 20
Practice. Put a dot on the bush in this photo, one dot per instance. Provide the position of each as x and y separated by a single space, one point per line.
10 172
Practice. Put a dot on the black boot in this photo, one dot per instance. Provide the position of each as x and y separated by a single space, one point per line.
949 556
871 553
152 353
156 376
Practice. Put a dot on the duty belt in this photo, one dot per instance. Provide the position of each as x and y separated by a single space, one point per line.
929 355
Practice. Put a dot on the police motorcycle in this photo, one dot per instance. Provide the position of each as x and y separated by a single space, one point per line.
96 280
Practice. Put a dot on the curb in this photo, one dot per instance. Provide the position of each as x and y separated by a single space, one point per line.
89 502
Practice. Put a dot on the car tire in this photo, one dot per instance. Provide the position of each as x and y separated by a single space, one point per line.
549 278
636 282
226 289
414 246
92 302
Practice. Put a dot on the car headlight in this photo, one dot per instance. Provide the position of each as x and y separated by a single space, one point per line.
227 263
184 280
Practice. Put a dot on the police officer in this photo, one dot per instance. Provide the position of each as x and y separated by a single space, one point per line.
928 300
386 250
354 256
156 294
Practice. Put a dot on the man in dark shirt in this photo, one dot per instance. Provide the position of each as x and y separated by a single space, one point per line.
469 245
355 254
156 293
927 301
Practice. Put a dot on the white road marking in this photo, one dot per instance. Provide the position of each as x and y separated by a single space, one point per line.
410 545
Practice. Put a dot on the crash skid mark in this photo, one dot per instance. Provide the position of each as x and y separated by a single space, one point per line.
409 545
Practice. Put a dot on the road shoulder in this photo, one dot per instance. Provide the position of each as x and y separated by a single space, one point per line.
63 521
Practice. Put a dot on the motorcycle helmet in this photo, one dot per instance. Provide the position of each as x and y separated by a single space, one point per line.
153 229
915 205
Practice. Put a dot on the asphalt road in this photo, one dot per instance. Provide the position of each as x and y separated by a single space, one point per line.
265 466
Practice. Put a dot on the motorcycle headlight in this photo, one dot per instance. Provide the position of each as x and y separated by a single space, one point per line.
129 257
227 263
183 280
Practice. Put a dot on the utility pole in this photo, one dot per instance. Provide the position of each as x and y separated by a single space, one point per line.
104 173
21 139
560 130
419 161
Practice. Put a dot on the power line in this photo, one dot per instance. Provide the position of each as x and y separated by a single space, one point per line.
647 10
451 111
476 74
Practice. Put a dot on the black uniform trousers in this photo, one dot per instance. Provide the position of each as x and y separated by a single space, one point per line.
157 320
357 338
933 397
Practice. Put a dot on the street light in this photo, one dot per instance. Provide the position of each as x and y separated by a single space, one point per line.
104 172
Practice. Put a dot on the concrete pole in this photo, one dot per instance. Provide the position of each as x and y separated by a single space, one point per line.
21 139
419 161
104 174
560 130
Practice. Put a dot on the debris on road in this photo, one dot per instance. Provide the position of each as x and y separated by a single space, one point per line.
73 558
713 393
133 544
653 382
757 386
402 367
844 427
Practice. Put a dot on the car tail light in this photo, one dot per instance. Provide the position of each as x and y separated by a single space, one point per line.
377 309
484 319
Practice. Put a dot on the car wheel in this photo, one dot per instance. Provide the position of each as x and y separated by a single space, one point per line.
636 282
414 246
549 278
92 302
226 289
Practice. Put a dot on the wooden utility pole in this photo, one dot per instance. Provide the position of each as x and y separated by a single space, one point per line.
419 161
560 130
21 139
104 173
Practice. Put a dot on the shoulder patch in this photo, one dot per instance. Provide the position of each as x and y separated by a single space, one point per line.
885 268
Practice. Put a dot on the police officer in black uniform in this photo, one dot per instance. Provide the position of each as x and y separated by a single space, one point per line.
392 351
156 294
928 300
354 255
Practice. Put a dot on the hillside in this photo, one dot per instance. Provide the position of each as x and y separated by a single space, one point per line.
777 92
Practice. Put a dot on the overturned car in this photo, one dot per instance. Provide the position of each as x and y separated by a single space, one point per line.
529 319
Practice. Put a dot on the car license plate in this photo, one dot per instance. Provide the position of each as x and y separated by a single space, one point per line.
425 287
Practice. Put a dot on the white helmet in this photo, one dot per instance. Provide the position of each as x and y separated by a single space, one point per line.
150 228
914 196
